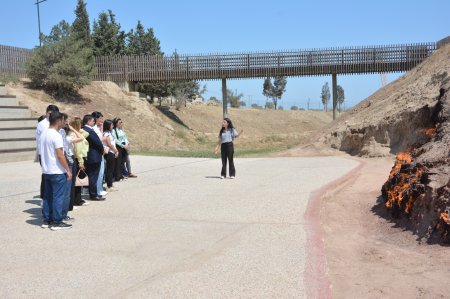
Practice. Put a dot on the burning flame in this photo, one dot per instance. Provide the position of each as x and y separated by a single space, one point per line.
445 217
430 132
400 191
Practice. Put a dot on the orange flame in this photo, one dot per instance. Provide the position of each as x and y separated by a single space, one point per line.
401 190
430 132
445 217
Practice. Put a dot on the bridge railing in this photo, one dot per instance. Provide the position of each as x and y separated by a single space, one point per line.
12 61
351 60
313 62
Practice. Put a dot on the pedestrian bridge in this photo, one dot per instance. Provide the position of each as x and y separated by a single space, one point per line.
313 62
127 70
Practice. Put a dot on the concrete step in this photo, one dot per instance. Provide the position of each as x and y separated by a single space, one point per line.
14 112
11 133
2 89
17 155
17 143
7 100
18 123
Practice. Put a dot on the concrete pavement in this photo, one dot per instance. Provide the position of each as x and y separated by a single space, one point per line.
177 231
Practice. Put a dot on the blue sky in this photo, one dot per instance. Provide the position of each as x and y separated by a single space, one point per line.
200 26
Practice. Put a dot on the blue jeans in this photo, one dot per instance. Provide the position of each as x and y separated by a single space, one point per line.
54 198
100 178
68 191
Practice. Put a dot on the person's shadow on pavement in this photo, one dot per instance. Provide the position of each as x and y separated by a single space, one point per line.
35 213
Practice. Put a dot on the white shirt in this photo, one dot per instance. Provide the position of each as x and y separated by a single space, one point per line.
97 130
50 140
111 139
41 127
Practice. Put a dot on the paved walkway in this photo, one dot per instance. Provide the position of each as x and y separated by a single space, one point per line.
177 231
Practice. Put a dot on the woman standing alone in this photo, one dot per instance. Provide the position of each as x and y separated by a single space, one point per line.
226 136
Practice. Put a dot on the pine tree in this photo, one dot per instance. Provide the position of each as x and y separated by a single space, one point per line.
80 25
107 37
63 63
141 42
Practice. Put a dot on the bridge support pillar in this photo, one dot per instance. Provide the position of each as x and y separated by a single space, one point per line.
224 97
126 85
334 79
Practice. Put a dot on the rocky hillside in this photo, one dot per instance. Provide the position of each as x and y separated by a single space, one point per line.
395 116
418 188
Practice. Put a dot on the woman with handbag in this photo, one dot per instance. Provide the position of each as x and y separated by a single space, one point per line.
80 150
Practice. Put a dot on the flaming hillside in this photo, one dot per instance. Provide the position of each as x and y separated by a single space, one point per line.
409 118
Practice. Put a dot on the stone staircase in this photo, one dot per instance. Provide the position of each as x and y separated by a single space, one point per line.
17 129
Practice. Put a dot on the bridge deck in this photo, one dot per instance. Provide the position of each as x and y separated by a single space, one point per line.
314 62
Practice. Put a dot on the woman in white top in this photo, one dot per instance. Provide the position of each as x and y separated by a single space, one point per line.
226 136
111 156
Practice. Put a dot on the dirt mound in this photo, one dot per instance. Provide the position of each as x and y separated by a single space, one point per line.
394 117
163 130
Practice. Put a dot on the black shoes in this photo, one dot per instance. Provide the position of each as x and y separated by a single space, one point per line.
60 226
98 198
46 224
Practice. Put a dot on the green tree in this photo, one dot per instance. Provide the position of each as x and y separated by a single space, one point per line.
340 97
325 96
234 99
294 108
63 64
270 105
141 42
107 37
279 87
144 42
267 88
80 25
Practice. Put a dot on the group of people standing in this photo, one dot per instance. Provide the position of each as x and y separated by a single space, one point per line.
67 151
96 148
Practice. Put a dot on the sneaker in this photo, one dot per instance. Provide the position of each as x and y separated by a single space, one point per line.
112 189
131 175
60 226
98 198
84 203
222 177
232 177
103 193
46 224
68 218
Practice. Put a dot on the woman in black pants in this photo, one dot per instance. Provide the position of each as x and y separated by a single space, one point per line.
226 136
111 156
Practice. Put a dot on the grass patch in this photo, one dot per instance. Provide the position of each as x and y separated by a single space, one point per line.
181 135
201 139
7 78
239 153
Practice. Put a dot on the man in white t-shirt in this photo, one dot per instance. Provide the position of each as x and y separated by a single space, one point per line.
41 127
56 172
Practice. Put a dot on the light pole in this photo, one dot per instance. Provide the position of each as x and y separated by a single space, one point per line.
39 19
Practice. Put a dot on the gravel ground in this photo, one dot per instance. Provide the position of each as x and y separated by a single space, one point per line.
176 231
